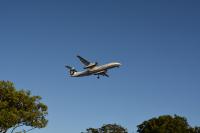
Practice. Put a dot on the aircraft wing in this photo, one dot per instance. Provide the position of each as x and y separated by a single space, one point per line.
83 61
103 73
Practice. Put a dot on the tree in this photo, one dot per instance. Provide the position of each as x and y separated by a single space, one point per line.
195 130
108 128
20 109
92 130
166 124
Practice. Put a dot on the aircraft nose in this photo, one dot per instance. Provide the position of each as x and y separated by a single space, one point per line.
118 64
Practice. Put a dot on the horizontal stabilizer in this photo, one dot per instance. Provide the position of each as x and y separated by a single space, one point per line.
68 67
72 70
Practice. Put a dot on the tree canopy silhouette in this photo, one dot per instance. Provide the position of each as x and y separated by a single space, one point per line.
20 109
167 124
108 128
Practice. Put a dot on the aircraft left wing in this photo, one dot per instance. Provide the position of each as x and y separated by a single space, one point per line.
83 61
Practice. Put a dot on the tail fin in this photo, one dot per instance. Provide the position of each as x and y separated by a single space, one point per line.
72 70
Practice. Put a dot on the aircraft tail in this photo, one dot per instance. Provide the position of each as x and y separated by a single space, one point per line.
72 70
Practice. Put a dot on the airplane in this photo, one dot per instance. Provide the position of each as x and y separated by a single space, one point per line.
92 68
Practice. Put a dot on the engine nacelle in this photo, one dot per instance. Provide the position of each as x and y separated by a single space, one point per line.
91 65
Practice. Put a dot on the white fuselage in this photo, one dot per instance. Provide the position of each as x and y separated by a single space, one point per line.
96 69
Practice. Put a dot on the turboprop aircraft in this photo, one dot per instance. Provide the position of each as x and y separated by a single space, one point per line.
92 68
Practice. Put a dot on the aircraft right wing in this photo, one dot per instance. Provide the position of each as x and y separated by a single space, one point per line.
83 61
103 73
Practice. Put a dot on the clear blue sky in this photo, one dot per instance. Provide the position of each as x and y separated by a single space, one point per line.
158 43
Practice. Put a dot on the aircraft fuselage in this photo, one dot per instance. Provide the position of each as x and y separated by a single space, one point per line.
96 69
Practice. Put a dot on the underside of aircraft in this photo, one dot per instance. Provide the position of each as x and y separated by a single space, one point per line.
91 68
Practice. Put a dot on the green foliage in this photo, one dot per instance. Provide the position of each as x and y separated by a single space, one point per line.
92 130
162 124
166 124
109 128
195 130
19 108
